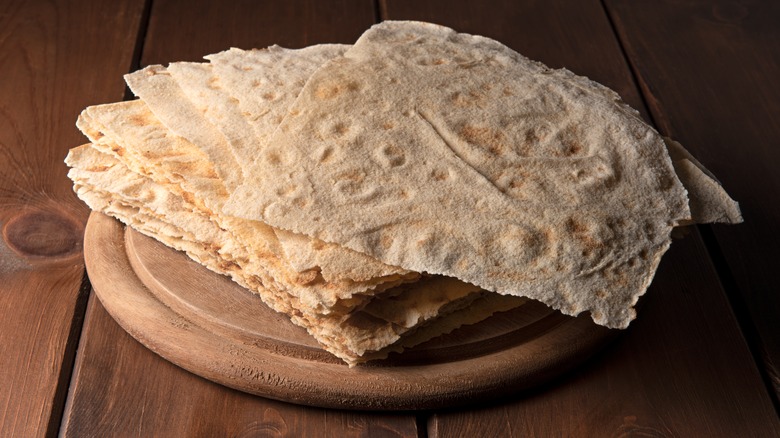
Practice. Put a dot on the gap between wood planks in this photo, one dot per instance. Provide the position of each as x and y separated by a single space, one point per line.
421 419
65 380
138 51
69 358
722 270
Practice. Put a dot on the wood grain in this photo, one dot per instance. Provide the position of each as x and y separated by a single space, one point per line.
216 329
160 399
632 389
121 388
709 71
56 57
540 30
656 380
186 31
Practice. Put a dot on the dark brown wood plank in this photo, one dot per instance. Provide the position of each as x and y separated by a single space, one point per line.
710 71
56 57
121 388
540 30
683 368
186 31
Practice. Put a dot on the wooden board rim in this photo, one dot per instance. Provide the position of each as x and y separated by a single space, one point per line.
256 370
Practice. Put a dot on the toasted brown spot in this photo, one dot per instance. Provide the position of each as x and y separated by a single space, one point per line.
439 175
269 96
189 167
472 98
649 229
340 129
227 265
387 125
307 277
485 137
119 150
572 148
326 155
98 168
300 202
138 119
273 158
545 236
286 190
256 83
394 155
576 226
583 233
317 244
328 91
189 197
351 175
536 135
570 143
212 83
255 282
508 92
386 240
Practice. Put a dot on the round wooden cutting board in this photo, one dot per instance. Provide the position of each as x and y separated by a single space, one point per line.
205 323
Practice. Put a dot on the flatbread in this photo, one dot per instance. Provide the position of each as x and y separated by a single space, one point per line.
561 193
130 132
377 193
246 93
709 202
192 103
107 185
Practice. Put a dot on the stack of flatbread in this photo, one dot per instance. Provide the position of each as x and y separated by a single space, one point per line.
384 193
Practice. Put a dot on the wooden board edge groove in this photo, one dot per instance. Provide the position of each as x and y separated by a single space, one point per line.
257 370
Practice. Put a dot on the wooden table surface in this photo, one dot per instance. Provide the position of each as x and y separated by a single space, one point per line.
701 360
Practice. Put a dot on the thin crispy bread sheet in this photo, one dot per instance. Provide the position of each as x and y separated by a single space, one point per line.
107 185
246 94
451 154
130 132
192 102
709 202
